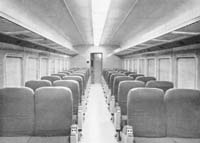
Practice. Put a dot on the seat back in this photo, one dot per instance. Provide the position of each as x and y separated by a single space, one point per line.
124 87
112 77
83 78
183 113
51 78
61 75
109 75
73 85
64 72
76 78
53 111
128 73
34 84
17 111
145 79
134 76
164 85
116 82
146 112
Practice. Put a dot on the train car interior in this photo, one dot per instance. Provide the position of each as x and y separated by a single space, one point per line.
99 71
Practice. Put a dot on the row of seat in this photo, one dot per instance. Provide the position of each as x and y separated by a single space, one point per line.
151 110
43 107
119 80
47 112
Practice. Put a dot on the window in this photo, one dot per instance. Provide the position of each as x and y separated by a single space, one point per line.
151 67
127 64
124 65
186 72
52 65
57 65
44 67
164 69
61 65
13 72
31 65
141 66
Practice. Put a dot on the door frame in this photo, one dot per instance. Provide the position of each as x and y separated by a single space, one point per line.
92 65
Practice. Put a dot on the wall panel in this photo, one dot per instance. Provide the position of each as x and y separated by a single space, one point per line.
186 72
13 71
32 69
164 69
43 67
141 66
150 67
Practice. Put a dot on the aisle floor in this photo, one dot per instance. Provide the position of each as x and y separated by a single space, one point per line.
97 127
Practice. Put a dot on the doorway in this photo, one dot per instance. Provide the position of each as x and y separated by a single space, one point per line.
96 67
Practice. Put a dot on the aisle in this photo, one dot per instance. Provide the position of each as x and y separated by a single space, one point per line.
97 127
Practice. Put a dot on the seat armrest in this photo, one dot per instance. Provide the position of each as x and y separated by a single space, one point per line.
112 105
127 134
108 96
83 103
74 134
117 118
80 117
74 119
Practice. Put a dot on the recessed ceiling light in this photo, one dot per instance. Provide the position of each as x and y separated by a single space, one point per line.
99 15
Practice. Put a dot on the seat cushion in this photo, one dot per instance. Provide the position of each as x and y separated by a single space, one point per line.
183 113
146 112
123 90
34 84
53 111
74 87
164 85
16 111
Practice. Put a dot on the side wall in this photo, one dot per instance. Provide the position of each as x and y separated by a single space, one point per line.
19 64
109 61
180 65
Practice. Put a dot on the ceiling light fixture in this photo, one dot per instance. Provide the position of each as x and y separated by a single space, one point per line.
99 15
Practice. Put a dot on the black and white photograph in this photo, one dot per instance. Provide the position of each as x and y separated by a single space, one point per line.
99 71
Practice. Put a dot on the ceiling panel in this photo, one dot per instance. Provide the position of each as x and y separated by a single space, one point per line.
82 17
173 37
14 30
67 22
118 11
195 27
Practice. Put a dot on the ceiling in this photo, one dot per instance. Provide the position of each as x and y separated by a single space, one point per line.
131 25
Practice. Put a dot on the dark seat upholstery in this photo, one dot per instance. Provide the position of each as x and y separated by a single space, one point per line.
65 72
128 73
116 82
183 113
34 84
53 111
73 85
164 85
61 75
112 77
16 111
145 79
134 76
83 79
109 75
76 78
123 90
51 78
146 112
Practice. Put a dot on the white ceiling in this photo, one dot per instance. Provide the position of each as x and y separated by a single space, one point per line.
130 24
